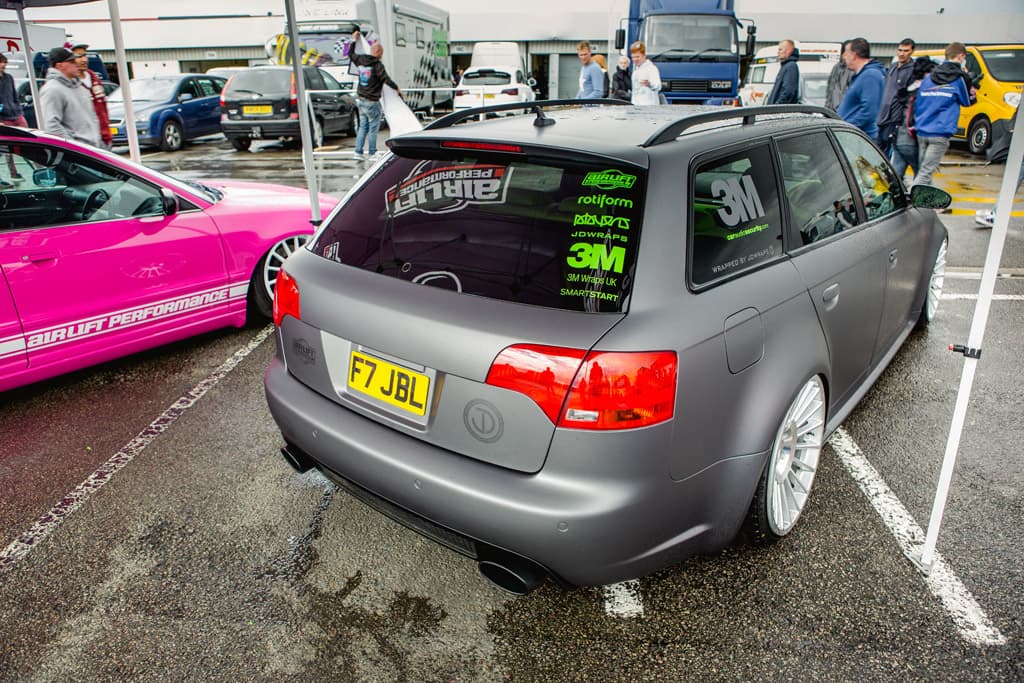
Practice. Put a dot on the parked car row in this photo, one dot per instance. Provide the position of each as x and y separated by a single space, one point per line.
255 103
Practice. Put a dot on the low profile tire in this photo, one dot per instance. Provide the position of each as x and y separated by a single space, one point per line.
785 485
171 137
318 132
979 135
241 144
934 293
264 277
353 127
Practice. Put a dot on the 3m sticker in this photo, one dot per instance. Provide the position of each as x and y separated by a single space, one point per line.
448 188
740 199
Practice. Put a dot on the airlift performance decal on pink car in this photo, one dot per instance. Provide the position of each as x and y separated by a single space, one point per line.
121 319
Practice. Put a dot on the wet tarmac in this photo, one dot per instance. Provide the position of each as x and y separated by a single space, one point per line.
206 558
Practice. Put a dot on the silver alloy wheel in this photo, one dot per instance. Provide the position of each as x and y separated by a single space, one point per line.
172 136
935 284
795 455
276 258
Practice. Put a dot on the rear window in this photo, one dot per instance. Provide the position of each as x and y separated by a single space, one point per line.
486 77
263 82
559 235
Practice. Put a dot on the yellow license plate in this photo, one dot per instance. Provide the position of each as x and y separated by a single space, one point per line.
113 130
250 109
489 96
384 381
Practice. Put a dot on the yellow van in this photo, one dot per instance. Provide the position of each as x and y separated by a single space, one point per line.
1001 72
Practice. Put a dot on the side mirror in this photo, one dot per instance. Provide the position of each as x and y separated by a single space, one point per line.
169 200
928 197
751 39
27 99
185 97
532 82
620 38
45 177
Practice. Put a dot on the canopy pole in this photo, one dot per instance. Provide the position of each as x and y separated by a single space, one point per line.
123 78
972 350
29 55
305 120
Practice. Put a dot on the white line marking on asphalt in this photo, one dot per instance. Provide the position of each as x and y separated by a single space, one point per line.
623 599
995 297
973 624
48 522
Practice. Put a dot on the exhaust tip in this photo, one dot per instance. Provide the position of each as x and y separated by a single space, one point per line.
515 577
299 461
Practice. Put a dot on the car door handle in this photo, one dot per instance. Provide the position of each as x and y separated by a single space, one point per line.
38 256
831 296
894 257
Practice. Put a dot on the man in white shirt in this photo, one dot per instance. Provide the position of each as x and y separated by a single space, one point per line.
646 78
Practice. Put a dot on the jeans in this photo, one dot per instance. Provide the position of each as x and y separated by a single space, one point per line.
369 124
930 152
904 152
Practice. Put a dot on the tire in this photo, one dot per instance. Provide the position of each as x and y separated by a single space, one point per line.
318 132
241 144
934 293
979 135
261 285
353 126
171 138
785 485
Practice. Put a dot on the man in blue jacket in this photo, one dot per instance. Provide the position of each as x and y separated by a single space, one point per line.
937 110
787 84
863 98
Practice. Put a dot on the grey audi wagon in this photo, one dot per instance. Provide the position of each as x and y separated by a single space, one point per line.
587 342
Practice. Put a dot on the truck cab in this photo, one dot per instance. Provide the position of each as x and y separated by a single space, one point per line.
694 43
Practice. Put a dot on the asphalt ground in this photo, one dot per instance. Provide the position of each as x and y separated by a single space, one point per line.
204 557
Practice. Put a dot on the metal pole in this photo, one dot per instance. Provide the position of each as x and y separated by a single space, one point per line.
305 120
973 352
30 66
123 79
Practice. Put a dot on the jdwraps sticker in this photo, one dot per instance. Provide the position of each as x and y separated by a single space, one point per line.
448 188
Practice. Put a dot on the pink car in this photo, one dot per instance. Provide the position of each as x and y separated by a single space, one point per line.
101 257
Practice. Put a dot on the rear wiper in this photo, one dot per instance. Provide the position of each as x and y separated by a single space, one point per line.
251 92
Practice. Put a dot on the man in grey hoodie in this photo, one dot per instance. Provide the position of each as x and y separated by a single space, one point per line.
66 103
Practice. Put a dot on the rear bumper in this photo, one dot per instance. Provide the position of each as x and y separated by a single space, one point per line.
587 522
271 128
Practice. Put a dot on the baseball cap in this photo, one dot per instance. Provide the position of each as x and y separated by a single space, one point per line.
84 46
60 54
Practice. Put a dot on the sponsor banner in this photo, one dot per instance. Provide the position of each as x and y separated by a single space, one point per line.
448 188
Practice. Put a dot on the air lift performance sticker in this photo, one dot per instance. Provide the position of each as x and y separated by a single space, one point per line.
601 240
448 188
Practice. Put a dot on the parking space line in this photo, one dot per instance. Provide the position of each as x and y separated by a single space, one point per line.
623 599
971 621
48 522
995 297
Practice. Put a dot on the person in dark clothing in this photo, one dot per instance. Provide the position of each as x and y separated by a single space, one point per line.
787 84
937 110
622 84
863 98
904 144
838 81
893 109
11 114
372 79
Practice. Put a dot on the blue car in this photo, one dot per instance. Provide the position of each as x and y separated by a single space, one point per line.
169 109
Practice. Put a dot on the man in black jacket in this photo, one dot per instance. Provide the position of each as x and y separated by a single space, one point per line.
372 79
894 96
787 84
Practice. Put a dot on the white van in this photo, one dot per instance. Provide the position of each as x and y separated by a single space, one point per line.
815 58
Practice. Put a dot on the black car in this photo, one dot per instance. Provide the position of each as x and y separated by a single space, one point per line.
261 103
28 106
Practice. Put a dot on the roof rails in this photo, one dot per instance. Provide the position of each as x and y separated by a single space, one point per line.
14 132
748 114
536 107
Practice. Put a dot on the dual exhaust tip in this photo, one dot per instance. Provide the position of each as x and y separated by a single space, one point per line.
509 572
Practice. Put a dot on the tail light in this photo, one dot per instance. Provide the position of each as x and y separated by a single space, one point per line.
600 390
286 297
293 95
224 90
461 92
510 91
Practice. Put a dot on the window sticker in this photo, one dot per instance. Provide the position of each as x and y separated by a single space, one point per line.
610 179
448 188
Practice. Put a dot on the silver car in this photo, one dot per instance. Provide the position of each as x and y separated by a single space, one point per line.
589 342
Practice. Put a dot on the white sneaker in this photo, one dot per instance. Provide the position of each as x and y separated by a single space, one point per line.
986 218
359 156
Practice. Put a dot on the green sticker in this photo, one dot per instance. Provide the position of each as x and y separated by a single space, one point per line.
609 179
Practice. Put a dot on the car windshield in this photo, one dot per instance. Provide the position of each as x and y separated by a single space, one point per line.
1006 65
814 90
147 90
682 36
264 82
554 234
486 77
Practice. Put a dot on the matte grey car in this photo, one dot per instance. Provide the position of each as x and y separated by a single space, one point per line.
592 342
